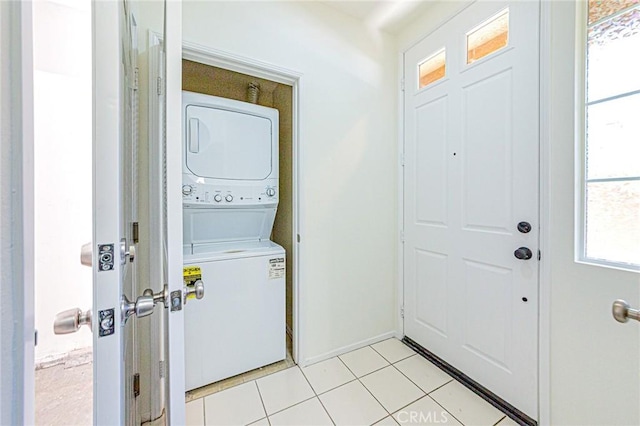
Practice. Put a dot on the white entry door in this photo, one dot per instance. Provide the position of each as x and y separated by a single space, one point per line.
471 196
118 301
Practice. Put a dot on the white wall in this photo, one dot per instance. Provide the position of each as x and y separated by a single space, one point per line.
594 361
348 141
63 164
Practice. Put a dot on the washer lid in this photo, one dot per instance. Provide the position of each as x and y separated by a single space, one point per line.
224 144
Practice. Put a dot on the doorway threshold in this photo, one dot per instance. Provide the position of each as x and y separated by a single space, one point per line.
499 403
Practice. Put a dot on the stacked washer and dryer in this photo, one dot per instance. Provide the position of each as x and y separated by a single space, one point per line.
230 198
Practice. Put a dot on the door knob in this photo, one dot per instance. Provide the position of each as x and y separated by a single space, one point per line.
523 253
196 289
71 320
86 254
622 311
524 227
143 305
126 253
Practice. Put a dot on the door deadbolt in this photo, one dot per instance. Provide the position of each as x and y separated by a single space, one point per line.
524 227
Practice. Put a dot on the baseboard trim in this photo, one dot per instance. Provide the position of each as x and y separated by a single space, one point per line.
502 405
348 348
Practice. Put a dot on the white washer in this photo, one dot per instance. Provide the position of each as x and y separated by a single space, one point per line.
240 323
230 199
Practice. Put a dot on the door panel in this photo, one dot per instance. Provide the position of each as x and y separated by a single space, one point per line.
108 270
115 210
471 175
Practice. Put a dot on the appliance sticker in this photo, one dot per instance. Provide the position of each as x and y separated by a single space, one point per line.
191 274
276 268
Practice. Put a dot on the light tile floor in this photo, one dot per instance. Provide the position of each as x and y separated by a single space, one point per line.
382 384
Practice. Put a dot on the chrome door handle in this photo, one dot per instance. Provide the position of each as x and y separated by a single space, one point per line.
622 312
86 254
71 320
144 305
196 289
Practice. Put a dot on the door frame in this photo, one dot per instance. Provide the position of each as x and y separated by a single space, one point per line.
17 329
230 61
544 277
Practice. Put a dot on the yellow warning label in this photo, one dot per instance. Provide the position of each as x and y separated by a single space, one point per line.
191 274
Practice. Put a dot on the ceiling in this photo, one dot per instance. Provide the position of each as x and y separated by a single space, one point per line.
389 15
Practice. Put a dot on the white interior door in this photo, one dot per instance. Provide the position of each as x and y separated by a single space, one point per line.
115 200
471 176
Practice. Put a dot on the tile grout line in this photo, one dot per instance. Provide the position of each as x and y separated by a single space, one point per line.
495 424
262 402
426 394
318 396
441 406
385 358
404 375
367 389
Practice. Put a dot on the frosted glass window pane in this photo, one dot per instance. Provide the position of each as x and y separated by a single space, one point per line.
613 221
432 69
488 38
613 138
613 58
599 9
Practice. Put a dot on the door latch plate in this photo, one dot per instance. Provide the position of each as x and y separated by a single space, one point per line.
176 300
107 323
105 257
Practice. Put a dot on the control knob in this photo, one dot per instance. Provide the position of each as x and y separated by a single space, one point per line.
217 198
271 192
229 198
187 189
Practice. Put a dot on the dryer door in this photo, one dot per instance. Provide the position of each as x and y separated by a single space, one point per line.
222 144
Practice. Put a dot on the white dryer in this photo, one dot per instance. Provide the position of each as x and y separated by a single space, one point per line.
230 199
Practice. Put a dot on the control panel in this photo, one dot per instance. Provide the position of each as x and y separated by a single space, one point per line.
203 194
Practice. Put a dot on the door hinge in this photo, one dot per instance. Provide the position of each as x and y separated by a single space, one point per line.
402 237
161 369
135 232
35 338
402 84
402 160
401 311
159 86
539 255
136 385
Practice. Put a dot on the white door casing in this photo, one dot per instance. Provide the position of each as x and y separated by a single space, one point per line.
471 175
174 338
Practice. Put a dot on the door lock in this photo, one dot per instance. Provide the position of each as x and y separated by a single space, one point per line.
524 227
71 320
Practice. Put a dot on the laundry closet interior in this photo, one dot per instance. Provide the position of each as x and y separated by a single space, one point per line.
238 223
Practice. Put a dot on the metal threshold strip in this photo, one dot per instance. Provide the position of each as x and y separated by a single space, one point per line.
512 412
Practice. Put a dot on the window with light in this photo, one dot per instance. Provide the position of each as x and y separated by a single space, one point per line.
611 206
